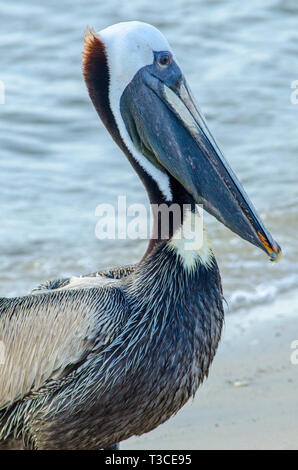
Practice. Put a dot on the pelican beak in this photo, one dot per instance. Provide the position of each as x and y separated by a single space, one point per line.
166 125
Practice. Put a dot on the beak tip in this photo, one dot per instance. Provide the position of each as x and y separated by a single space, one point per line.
276 253
271 247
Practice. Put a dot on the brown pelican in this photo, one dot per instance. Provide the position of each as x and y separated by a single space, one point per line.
94 360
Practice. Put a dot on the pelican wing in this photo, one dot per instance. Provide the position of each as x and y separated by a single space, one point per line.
44 335
110 274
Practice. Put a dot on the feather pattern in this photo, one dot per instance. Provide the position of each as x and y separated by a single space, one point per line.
92 352
46 334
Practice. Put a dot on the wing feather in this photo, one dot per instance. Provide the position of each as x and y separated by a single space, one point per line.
101 277
45 335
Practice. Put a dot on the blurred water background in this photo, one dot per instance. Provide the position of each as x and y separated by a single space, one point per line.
57 162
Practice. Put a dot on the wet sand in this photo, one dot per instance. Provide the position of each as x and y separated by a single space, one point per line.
250 400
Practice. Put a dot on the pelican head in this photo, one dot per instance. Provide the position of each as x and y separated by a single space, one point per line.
142 96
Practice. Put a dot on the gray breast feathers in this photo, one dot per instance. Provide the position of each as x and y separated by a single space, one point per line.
46 334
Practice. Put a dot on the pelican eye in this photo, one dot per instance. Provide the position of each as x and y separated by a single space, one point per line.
164 59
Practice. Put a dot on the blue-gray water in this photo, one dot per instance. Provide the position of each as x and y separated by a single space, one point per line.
57 162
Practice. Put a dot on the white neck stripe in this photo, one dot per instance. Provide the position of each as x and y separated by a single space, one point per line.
132 42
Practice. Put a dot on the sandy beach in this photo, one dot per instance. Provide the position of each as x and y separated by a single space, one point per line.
250 399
